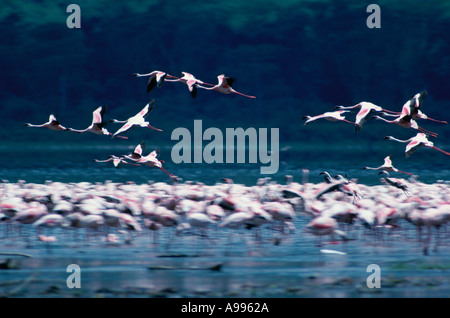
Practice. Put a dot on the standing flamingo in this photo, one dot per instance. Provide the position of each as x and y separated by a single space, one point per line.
324 225
136 120
387 166
406 122
435 217
332 116
52 124
224 86
97 126
414 143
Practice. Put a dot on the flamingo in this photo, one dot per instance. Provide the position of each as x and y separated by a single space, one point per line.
117 161
323 225
414 143
435 217
136 120
52 124
97 126
398 183
366 109
149 160
190 81
406 122
387 166
413 105
224 86
332 116
156 78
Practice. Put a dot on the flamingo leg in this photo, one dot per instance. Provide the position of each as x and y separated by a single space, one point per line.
405 172
154 128
171 175
390 111
236 92
438 149
433 134
347 121
438 121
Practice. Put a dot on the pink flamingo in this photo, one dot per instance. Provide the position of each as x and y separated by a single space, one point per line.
387 166
190 81
117 161
412 108
406 122
136 120
156 78
323 225
435 217
52 124
149 160
366 110
332 116
397 183
414 143
97 126
224 86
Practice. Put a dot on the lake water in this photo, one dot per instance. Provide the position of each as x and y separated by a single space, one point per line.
288 266
38 162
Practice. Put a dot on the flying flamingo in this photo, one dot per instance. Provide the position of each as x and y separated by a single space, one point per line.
149 160
52 124
366 110
190 81
137 152
156 78
97 126
387 166
414 143
412 108
136 120
398 183
224 86
332 116
117 161
406 122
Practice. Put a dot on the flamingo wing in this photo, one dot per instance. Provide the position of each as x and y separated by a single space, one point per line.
97 115
124 128
151 83
412 147
388 161
147 109
139 149
361 117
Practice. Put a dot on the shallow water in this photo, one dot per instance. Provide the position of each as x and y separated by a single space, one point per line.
293 267
288 266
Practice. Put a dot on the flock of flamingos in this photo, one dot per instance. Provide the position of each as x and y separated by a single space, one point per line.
337 207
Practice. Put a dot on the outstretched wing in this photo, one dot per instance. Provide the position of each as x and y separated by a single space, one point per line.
411 147
388 161
97 115
122 129
147 109
151 83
